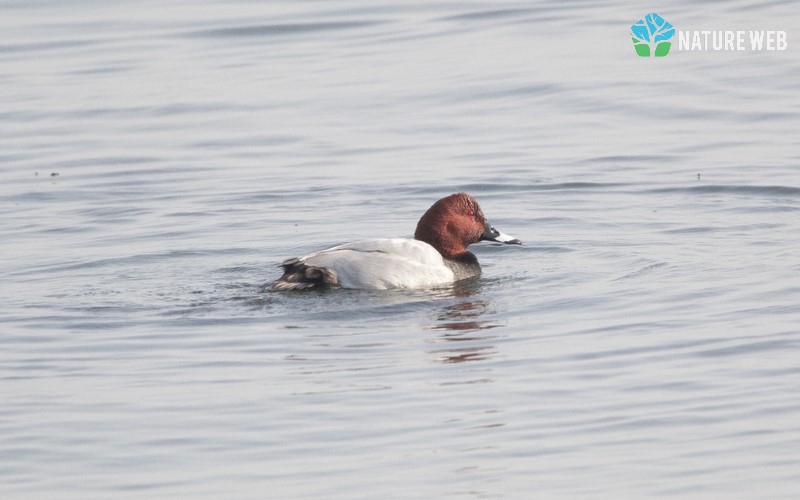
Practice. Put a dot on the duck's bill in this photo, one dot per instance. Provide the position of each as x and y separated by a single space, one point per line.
492 234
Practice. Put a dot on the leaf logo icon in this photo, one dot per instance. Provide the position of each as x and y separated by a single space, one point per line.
651 35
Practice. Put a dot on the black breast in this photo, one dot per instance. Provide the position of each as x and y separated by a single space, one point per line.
464 266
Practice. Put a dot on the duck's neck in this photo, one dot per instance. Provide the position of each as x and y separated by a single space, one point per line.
464 266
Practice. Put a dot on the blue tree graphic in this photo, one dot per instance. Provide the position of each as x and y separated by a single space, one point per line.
650 36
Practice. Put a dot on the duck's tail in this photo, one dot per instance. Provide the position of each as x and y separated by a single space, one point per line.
299 276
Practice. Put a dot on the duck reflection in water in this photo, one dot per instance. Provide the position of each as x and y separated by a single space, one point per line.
462 324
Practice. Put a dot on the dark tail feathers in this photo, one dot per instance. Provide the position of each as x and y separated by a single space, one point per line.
299 276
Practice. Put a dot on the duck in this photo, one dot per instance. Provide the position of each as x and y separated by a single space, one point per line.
437 255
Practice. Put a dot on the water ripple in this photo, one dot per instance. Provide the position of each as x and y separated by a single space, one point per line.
271 30
748 190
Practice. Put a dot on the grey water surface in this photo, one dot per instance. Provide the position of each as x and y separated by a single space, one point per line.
158 160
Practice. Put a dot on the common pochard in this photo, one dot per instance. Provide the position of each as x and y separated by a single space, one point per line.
436 256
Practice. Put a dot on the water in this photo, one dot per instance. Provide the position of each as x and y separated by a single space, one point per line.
158 160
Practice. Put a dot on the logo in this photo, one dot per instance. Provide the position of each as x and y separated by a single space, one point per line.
651 35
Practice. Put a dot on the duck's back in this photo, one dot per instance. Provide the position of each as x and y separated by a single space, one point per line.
372 264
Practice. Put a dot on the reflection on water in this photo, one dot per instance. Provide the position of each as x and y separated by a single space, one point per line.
462 355
461 324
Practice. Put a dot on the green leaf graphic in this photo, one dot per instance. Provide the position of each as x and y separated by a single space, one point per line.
662 49
642 49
